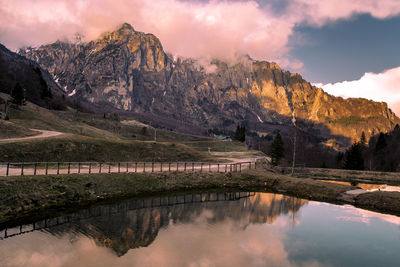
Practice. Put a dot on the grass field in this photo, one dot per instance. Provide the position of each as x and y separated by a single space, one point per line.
10 130
93 137
81 148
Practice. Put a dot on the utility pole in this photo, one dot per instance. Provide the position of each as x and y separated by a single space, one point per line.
294 141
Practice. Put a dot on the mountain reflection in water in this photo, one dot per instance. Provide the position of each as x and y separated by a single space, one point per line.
258 229
138 227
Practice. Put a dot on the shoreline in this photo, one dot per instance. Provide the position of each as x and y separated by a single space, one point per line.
29 198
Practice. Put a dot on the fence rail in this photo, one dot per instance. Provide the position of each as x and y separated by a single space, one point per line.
57 168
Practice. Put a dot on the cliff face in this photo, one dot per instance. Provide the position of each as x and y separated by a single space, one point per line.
130 71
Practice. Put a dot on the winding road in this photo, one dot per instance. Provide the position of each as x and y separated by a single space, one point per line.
42 134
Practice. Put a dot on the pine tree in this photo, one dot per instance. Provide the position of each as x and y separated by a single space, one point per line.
18 95
240 133
353 158
277 150
381 143
363 139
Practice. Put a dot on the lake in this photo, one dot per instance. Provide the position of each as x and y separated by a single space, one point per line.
208 229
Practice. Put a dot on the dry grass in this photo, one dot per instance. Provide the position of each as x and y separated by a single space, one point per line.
391 178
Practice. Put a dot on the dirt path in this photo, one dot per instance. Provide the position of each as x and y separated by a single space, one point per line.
42 134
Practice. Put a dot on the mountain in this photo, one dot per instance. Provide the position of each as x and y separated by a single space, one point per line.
129 71
39 86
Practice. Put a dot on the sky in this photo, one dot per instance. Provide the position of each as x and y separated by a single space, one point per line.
350 48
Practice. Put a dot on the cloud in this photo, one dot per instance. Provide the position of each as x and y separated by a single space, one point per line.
199 29
318 13
383 86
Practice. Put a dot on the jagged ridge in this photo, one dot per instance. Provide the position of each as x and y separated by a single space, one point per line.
130 71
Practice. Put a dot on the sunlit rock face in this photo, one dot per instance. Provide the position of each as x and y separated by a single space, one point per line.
129 70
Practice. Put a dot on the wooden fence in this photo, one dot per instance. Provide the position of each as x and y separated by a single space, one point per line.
46 168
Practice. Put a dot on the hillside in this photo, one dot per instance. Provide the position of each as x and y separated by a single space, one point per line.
99 137
129 71
39 86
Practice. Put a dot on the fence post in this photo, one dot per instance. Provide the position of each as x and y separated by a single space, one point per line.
192 166
218 167
226 166
90 168
69 167
209 167
161 166
169 166
47 167
144 166
99 167
58 167
22 169
8 169
119 167
127 167
34 169
185 167
135 166
240 166
79 167
201 167
230 167
152 167
109 167
177 166
255 165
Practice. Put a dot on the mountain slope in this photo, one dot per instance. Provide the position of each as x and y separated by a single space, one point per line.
129 70
39 86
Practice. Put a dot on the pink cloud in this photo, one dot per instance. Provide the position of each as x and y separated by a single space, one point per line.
317 12
220 29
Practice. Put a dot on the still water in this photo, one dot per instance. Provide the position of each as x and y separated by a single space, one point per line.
225 229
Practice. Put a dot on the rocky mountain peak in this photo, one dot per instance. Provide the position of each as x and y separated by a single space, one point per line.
129 70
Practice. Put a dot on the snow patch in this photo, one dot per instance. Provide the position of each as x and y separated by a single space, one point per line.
259 119
164 93
65 88
152 101
72 93
91 52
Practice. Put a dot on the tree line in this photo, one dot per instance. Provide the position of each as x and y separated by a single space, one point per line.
380 153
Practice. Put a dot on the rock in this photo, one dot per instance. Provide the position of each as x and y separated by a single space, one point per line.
351 195
130 71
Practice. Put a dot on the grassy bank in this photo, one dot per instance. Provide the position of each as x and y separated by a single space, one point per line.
11 130
23 197
80 148
391 178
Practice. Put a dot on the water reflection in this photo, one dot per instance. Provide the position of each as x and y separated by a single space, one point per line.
257 229
367 187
